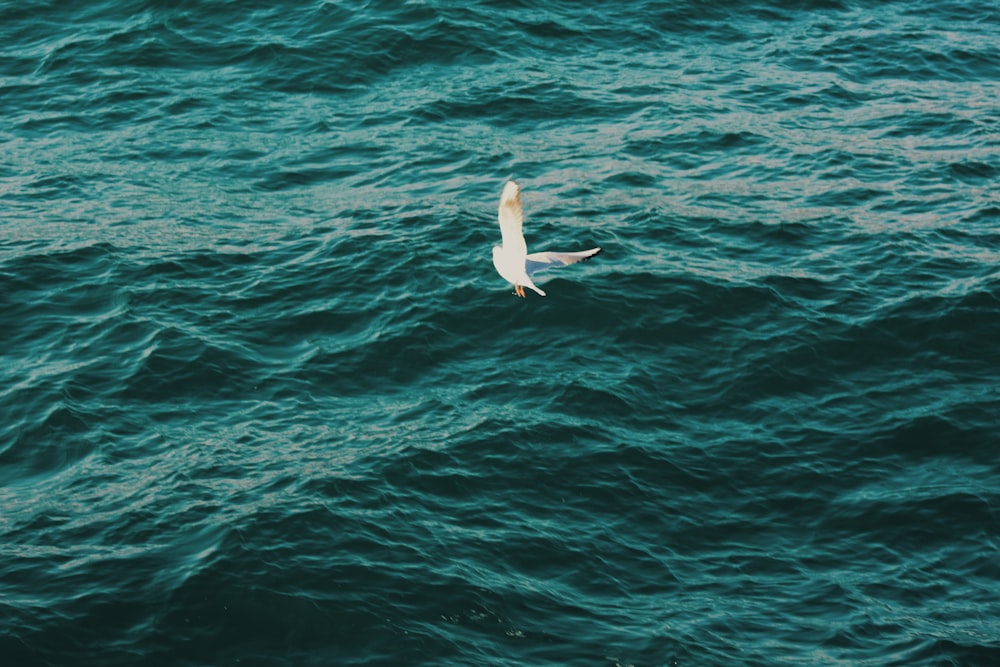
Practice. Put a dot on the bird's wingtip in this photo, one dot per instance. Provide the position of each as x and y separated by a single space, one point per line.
510 190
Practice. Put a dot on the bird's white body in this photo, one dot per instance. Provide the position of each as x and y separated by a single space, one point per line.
511 258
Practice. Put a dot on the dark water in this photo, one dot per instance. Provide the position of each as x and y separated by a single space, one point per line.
265 400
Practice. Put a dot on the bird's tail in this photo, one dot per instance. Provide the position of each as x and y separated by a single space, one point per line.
532 285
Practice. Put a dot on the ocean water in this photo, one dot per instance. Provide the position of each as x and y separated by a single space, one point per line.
265 400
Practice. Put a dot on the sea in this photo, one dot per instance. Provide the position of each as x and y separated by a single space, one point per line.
264 399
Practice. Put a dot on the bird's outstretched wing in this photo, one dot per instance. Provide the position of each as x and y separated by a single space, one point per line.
512 219
538 261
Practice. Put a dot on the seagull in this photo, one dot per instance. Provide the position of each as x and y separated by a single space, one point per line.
511 257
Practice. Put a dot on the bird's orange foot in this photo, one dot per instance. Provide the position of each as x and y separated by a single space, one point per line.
519 290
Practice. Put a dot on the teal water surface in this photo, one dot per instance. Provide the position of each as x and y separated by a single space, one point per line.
266 401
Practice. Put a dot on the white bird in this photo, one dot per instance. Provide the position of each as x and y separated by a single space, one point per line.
511 257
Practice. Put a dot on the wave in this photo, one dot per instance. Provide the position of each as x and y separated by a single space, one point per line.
263 388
